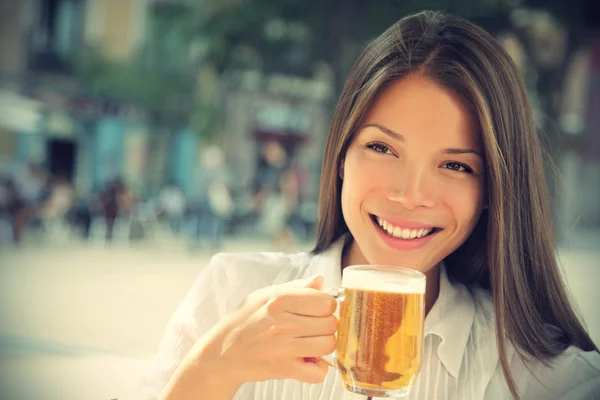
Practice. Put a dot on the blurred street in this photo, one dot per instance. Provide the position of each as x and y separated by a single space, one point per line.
80 322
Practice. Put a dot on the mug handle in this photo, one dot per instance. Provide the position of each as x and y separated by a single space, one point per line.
338 295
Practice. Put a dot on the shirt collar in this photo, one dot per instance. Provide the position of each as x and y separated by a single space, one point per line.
451 319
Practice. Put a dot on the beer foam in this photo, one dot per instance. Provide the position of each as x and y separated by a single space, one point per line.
382 281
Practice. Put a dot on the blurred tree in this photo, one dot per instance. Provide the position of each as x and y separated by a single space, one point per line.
291 36
162 77
163 94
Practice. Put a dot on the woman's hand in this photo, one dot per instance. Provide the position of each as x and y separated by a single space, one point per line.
277 333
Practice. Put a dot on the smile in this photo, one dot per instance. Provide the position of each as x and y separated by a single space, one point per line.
404 233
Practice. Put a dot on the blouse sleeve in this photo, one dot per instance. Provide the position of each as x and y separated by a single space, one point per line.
585 378
575 376
203 306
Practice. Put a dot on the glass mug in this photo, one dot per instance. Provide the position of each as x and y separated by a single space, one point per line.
380 330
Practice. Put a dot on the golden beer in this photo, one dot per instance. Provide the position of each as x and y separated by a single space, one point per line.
380 331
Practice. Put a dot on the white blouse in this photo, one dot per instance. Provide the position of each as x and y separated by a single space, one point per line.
460 358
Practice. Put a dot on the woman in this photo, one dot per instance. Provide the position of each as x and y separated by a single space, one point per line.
432 163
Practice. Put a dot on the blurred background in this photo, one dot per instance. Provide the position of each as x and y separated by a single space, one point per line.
139 137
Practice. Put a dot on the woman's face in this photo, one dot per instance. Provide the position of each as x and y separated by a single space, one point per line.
413 177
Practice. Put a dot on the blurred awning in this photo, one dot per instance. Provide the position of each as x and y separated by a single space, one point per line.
18 113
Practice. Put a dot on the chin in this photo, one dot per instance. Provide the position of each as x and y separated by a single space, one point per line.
418 262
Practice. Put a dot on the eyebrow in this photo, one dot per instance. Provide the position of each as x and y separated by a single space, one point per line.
387 131
396 136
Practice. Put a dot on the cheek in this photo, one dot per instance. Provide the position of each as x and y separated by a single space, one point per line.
362 177
467 203
364 174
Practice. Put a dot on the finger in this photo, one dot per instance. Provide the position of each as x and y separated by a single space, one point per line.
315 346
307 347
304 301
309 371
315 282
303 326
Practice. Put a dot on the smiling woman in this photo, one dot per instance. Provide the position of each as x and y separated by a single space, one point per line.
432 163
430 177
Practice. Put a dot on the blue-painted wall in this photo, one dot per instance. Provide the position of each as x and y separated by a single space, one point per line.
184 155
108 151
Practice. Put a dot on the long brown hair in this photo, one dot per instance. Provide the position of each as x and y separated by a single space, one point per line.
511 251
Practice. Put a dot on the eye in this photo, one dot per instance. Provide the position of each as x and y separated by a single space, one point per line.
380 148
458 167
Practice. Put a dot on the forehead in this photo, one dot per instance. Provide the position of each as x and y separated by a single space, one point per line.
415 105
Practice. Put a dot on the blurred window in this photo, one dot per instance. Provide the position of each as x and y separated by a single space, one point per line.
56 37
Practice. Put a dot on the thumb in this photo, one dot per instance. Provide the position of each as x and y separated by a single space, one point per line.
314 282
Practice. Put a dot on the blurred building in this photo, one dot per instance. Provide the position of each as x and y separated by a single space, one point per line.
292 111
52 121
580 119
578 183
92 139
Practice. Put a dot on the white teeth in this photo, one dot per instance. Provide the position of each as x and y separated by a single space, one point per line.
403 233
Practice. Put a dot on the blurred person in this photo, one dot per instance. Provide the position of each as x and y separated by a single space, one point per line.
210 202
30 182
115 201
433 163
55 209
31 190
82 214
276 194
297 192
109 205
272 162
172 203
278 207
7 202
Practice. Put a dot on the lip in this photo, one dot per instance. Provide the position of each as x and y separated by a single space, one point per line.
403 223
404 244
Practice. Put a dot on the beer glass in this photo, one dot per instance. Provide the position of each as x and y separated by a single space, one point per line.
380 330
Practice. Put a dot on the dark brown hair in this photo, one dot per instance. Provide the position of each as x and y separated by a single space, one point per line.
511 251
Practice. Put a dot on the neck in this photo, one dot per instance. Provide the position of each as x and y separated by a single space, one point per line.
353 256
432 287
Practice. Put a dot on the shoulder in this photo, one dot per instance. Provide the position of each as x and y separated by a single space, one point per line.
575 374
269 266
228 278
233 276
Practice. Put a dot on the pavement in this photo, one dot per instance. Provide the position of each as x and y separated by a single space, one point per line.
82 321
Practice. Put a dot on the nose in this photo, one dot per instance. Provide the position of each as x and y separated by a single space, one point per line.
413 189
